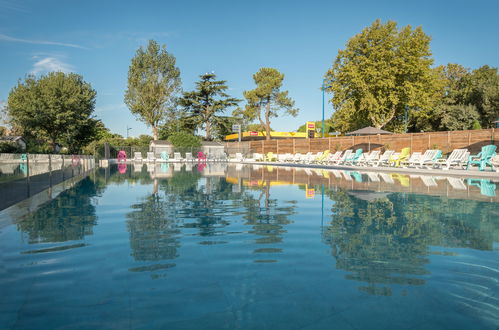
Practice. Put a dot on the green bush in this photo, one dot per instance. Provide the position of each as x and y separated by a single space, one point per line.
184 140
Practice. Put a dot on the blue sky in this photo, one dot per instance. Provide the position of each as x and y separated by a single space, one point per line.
234 39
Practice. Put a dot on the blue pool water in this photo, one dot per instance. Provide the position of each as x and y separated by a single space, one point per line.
236 247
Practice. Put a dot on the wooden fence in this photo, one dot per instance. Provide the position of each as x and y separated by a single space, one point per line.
473 140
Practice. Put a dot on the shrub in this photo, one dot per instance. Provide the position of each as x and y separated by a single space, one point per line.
184 140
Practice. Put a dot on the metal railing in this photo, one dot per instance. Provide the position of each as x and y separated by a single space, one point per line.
24 176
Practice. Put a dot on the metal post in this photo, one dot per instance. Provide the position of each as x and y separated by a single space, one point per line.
322 109
50 170
27 173
239 133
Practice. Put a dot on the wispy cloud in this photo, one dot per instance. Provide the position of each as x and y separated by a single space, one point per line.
49 64
7 38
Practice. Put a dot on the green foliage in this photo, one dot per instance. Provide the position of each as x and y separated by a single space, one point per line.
172 126
267 99
476 125
96 147
3 131
470 99
482 91
9 147
205 103
153 83
184 140
380 74
318 126
257 128
56 108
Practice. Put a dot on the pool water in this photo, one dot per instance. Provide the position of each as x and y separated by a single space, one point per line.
194 248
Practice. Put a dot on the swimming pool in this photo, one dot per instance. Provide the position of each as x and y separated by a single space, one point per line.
186 247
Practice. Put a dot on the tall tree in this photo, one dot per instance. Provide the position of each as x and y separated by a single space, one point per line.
381 76
267 99
153 83
57 107
207 101
482 90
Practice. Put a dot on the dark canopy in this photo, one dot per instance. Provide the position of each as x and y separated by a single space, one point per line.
368 131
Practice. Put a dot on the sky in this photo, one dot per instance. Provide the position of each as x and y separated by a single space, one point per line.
234 39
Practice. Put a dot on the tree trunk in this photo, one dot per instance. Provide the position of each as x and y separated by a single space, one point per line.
208 131
267 122
154 132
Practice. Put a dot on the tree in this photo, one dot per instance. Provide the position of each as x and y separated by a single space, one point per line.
206 101
482 90
382 75
56 107
184 140
267 98
153 83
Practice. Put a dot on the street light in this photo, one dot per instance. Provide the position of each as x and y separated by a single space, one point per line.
127 129
323 89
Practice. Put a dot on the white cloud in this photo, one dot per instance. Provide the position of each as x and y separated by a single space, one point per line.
49 64
38 42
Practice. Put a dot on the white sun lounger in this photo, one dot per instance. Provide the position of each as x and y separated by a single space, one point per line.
137 156
383 159
458 158
150 157
343 157
177 157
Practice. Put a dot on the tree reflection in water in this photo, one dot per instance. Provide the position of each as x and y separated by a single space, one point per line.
386 241
69 217
267 217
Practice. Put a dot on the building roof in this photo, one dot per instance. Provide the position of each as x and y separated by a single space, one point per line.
368 131
161 142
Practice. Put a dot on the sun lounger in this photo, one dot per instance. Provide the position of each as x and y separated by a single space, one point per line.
430 158
188 157
270 157
383 159
322 157
458 157
368 157
307 158
177 157
150 157
137 156
415 158
296 158
352 159
343 157
395 160
484 158
333 157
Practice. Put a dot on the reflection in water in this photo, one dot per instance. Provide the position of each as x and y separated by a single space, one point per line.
71 216
216 242
386 240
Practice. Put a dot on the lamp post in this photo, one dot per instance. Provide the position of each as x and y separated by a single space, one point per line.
127 129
